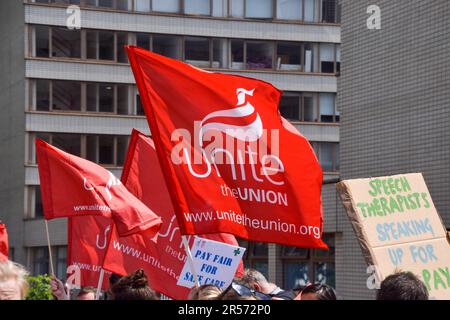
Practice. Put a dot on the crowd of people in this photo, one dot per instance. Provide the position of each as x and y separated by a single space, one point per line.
252 285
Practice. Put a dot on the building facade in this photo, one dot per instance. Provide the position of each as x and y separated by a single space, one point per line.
394 98
74 88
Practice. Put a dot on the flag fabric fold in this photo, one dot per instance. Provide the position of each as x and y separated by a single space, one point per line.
3 243
163 257
230 161
72 186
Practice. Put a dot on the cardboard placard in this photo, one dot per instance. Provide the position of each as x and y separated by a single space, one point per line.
214 262
399 229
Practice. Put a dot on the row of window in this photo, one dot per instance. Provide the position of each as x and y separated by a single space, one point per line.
313 11
300 266
107 150
123 99
203 52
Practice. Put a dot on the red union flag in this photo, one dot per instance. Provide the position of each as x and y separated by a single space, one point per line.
86 246
163 259
230 162
3 243
72 186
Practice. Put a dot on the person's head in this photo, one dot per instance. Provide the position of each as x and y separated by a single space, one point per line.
204 292
238 291
317 292
13 281
87 293
133 287
113 279
402 286
255 280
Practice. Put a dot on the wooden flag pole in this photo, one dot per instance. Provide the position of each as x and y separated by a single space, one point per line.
99 285
191 261
49 249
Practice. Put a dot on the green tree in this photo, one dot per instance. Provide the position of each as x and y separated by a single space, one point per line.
40 288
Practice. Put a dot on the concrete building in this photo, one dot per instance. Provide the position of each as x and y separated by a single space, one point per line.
394 100
74 88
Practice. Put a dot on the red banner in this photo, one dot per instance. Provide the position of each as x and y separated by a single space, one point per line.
3 243
88 238
230 161
72 186
162 260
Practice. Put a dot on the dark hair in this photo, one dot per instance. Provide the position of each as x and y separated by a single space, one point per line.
240 292
113 278
402 286
87 290
133 287
322 291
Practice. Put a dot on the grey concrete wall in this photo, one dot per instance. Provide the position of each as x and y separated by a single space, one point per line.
394 98
12 121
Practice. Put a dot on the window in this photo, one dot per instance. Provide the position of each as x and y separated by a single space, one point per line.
106 45
66 96
143 40
139 107
42 41
169 46
289 9
308 55
197 51
105 3
220 53
91 44
327 58
106 149
237 54
38 207
166 5
328 108
40 261
309 265
256 256
66 43
197 7
219 8
259 55
42 95
122 99
68 142
328 155
122 40
309 11
338 58
142 5
299 106
105 98
258 9
329 11
237 8
289 56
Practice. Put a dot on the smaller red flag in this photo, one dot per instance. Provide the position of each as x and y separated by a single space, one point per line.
86 250
72 186
3 243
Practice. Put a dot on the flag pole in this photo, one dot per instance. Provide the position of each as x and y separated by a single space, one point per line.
49 249
191 261
99 285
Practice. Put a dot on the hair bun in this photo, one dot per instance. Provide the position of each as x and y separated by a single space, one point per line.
139 279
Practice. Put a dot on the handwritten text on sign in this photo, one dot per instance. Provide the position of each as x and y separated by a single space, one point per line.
399 228
214 262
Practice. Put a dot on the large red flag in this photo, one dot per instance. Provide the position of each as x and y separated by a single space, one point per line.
230 162
88 238
3 243
72 186
162 260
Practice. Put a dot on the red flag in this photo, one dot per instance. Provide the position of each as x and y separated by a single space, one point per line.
72 186
3 243
86 249
164 260
230 163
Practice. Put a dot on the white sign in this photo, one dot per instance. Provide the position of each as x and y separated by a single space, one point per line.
214 262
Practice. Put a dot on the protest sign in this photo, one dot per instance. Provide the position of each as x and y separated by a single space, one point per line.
399 229
214 262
